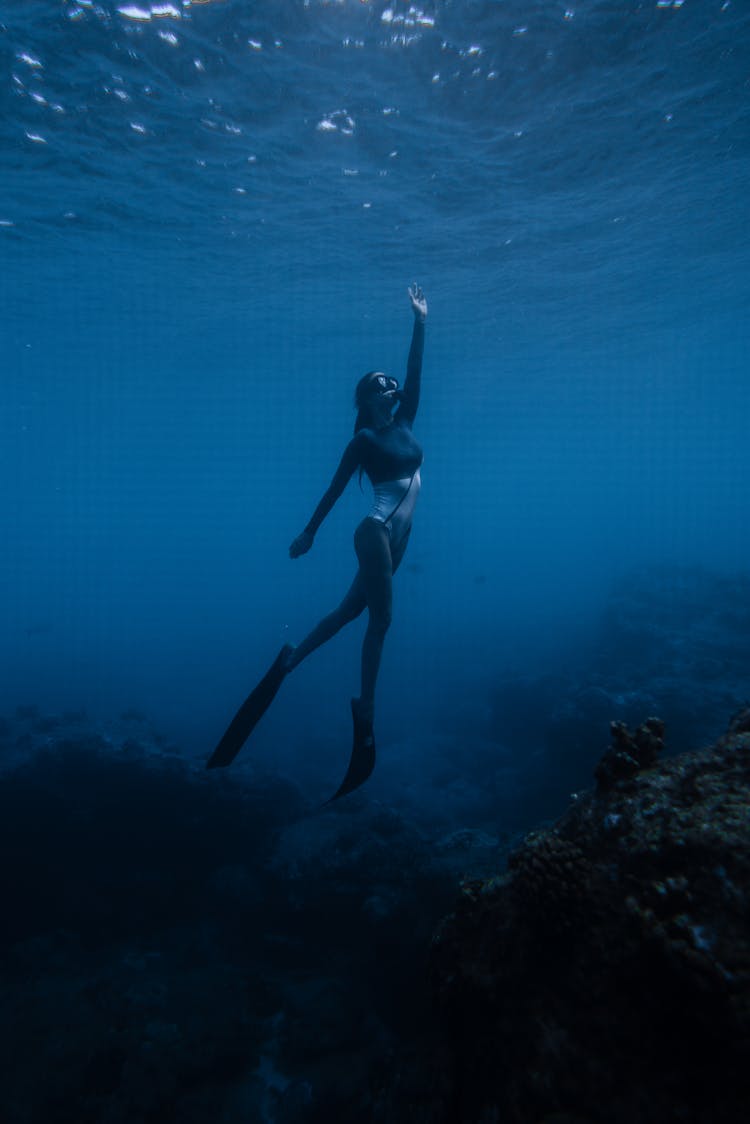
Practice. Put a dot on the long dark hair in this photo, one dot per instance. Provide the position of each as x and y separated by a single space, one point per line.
360 401
362 419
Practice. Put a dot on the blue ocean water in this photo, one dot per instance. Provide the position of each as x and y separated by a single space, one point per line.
210 212
209 215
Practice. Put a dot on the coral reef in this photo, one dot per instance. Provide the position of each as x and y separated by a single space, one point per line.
552 881
606 975
629 752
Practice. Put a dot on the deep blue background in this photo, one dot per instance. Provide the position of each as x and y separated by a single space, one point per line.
209 221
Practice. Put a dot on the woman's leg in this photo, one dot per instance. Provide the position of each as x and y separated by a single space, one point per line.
380 566
398 552
350 608
373 545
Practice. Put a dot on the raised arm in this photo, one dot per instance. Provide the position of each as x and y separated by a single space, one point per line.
407 410
349 462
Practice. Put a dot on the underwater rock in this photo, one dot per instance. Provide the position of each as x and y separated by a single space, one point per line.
629 753
184 946
130 971
606 975
552 881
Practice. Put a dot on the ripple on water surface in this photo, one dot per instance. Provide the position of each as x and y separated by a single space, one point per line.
520 136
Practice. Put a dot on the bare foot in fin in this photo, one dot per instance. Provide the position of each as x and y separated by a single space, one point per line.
363 715
362 760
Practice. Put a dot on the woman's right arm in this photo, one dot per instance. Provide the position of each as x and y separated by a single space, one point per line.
343 474
407 410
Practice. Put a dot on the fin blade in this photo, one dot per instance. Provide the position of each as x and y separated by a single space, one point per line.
249 714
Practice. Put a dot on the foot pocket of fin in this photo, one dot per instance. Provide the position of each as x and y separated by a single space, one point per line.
362 761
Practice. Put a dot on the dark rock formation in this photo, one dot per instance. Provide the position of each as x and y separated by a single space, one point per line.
606 976
181 946
629 753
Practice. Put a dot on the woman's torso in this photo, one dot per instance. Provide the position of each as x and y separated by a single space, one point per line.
392 459
391 453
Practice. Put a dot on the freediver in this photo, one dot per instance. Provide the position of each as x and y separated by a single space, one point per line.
385 449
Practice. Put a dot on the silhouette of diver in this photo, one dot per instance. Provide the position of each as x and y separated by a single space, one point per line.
385 449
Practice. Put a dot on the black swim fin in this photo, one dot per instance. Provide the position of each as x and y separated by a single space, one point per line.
250 713
362 761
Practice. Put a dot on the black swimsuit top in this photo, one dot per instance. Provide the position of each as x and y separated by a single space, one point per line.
390 453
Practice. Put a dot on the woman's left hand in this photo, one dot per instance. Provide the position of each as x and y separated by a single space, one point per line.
301 544
418 301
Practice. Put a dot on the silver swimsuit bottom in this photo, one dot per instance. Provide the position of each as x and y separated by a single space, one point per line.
393 505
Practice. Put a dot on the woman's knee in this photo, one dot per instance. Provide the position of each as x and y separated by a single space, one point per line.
353 604
349 610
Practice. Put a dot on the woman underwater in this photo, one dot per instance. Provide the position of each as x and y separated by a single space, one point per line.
385 449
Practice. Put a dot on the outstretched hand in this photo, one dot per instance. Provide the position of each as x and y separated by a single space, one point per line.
418 301
301 544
